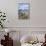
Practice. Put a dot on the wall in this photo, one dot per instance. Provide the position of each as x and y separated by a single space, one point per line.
37 14
37 21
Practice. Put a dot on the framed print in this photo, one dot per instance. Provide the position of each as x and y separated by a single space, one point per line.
24 11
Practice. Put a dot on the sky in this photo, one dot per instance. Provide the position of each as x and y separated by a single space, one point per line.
24 6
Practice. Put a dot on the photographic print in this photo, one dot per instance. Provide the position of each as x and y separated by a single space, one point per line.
24 11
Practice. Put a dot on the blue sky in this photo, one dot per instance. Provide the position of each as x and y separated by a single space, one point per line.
24 6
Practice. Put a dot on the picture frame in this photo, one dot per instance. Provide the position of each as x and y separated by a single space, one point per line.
24 11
